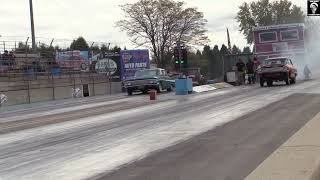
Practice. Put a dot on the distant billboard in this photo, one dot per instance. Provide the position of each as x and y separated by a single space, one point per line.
75 60
108 64
133 60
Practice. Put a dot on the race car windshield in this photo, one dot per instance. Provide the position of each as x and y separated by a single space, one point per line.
274 61
146 73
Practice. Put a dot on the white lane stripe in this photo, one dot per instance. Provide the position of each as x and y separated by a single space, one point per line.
58 111
83 122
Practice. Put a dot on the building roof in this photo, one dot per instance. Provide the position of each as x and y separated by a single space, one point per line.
280 26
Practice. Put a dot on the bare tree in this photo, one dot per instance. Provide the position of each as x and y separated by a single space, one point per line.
159 24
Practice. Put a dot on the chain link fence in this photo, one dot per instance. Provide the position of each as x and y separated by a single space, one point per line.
33 77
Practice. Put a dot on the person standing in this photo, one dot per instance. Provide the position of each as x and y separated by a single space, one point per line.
250 71
306 72
11 59
241 68
5 56
256 65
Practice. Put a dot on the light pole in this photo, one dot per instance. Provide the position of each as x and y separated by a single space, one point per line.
32 27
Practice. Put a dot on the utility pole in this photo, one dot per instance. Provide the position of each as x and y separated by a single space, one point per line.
51 42
179 50
32 27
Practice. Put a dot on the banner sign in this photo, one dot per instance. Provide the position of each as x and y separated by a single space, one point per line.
3 99
108 64
76 92
75 60
133 60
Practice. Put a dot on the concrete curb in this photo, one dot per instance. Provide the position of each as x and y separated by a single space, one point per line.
296 159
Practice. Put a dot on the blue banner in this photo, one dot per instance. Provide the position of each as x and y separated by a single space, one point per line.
133 60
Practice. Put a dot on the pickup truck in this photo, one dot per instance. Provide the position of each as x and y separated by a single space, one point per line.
147 79
277 69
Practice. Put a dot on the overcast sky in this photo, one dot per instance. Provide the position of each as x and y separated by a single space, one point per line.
95 20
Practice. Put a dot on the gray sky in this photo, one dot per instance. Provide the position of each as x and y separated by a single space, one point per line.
95 20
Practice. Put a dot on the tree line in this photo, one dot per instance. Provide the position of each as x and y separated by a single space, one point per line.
80 44
210 59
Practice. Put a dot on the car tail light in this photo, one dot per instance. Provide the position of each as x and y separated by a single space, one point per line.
286 68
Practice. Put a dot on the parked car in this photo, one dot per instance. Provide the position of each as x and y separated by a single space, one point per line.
147 79
277 69
193 73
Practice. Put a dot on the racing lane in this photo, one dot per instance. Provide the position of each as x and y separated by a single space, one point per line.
93 146
229 152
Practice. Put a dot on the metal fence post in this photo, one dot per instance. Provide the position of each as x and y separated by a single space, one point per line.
110 86
92 78
52 83
29 98
223 70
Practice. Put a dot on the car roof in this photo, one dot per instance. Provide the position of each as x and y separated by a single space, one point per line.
151 69
277 58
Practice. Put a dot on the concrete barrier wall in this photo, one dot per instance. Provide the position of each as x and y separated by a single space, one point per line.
45 93
63 92
16 97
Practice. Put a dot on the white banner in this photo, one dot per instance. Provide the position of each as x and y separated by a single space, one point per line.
3 98
76 93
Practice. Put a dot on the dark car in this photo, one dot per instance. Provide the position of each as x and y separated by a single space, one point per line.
277 69
145 80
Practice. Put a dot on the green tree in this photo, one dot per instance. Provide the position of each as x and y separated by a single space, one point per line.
46 51
235 50
207 51
217 62
95 49
116 49
79 44
198 53
57 48
194 60
246 49
159 24
205 60
224 50
104 48
22 48
264 13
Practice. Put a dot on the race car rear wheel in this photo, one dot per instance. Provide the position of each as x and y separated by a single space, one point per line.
159 88
287 79
170 88
145 91
261 82
293 80
129 91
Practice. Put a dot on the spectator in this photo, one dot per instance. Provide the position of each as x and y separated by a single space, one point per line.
250 71
256 65
306 72
5 56
241 68
11 59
